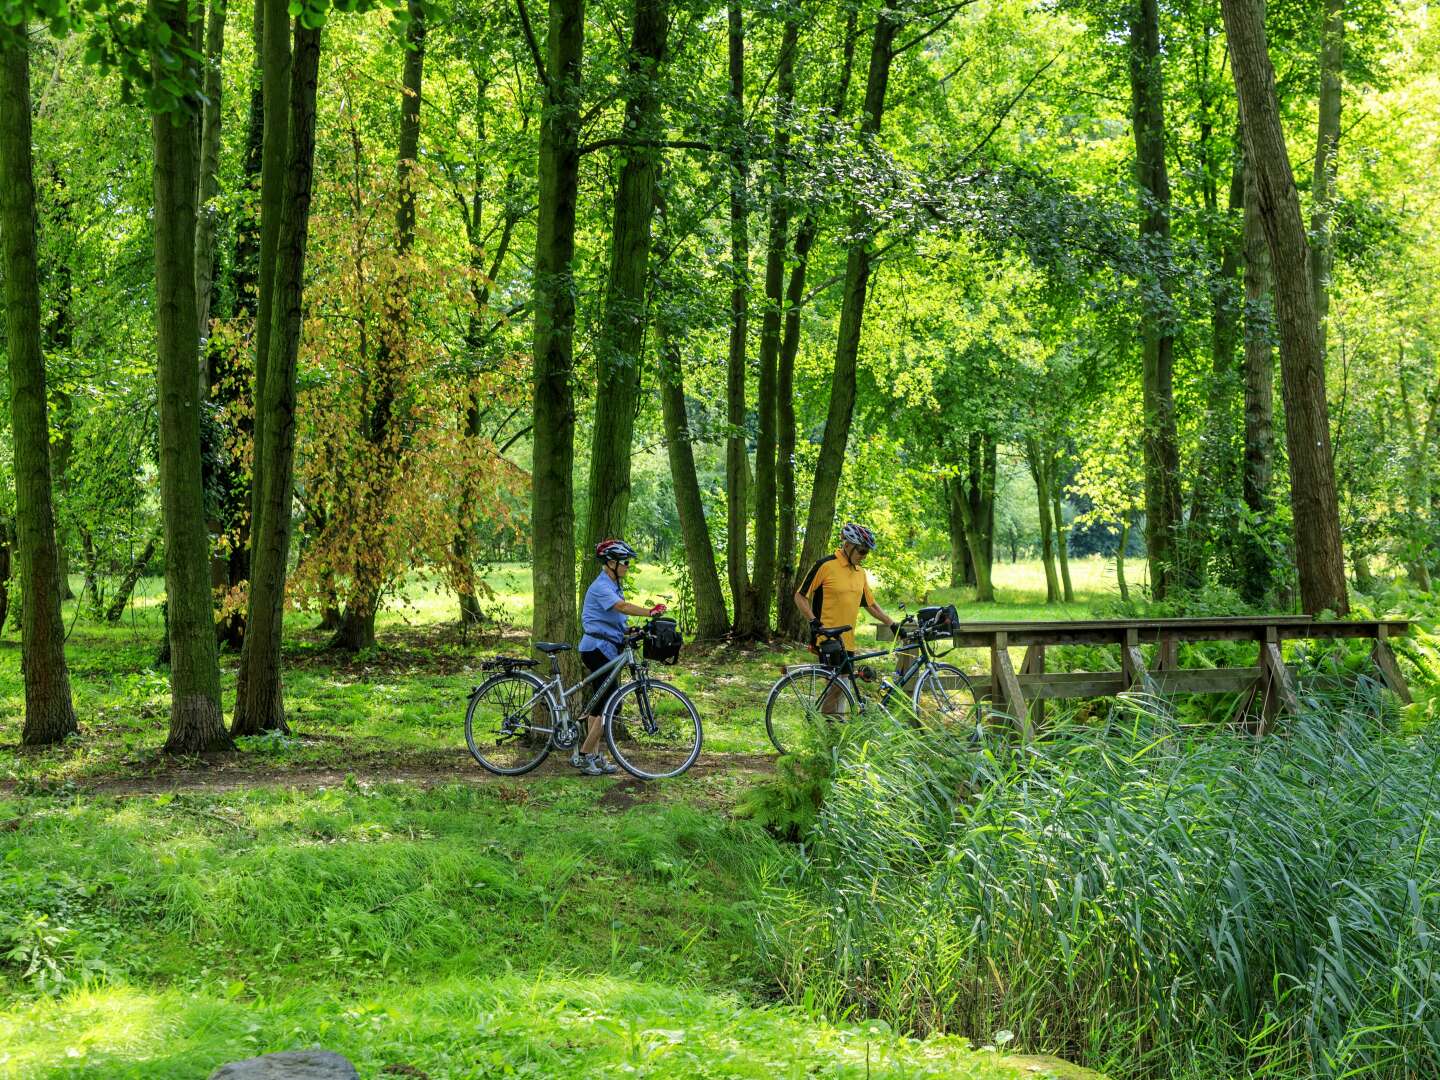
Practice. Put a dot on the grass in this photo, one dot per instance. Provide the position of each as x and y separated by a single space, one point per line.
1140 897
516 930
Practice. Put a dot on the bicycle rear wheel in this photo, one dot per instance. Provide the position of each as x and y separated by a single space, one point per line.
945 698
661 735
797 705
508 723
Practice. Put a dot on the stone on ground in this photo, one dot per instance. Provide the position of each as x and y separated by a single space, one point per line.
290 1065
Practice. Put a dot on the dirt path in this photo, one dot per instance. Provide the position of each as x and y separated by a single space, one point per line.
239 771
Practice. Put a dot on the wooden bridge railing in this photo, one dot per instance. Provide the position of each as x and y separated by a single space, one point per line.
1268 679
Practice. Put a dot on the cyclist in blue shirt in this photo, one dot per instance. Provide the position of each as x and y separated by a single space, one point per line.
603 617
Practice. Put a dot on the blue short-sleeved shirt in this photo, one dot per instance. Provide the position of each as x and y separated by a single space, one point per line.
604 626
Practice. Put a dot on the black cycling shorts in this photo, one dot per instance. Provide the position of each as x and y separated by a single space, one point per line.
594 660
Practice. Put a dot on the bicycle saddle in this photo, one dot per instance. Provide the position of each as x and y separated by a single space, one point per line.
832 631
550 647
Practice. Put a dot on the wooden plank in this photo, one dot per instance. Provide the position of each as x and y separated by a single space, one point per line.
1206 680
1132 664
1167 656
1002 676
1152 631
1279 686
1384 659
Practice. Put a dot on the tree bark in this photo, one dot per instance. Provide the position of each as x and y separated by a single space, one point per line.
208 215
1257 467
710 621
788 618
820 521
737 463
767 404
973 534
552 517
1314 503
263 707
1120 562
1161 442
196 723
622 330
49 711
1327 147
116 610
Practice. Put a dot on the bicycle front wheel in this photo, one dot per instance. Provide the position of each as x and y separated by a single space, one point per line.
508 723
945 698
800 701
661 733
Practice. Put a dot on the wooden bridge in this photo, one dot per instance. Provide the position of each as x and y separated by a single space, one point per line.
1268 680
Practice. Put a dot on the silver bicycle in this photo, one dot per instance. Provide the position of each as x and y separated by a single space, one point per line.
515 718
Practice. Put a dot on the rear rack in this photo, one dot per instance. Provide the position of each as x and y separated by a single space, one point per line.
507 663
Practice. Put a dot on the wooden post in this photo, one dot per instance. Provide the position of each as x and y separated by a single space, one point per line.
1133 663
1389 671
1005 687
1034 664
1279 689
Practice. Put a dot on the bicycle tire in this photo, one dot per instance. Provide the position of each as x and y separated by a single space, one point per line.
505 730
794 702
656 741
945 696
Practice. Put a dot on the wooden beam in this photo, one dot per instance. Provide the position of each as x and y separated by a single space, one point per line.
1132 664
1002 676
1279 686
1384 659
1034 665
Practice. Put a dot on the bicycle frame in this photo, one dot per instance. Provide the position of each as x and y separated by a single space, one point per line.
558 695
922 663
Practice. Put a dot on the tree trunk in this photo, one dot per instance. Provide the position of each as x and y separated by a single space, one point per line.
1216 461
1315 507
1327 146
57 342
275 63
263 707
1062 534
972 530
710 621
737 463
1038 460
209 186
788 618
960 565
820 521
766 404
1162 454
1258 466
116 610
552 517
1120 562
49 712
362 603
196 723
621 342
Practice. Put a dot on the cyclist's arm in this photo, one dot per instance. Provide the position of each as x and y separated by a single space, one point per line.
803 603
627 608
874 610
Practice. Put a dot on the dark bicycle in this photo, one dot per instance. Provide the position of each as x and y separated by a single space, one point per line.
515 718
932 692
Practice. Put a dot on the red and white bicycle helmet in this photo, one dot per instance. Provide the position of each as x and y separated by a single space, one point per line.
614 549
858 535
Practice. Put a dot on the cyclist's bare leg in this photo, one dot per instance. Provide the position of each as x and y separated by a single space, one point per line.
591 744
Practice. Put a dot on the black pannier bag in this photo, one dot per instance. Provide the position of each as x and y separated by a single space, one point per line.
663 641
832 653
939 621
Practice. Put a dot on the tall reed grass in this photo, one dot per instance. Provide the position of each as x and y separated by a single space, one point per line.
1140 897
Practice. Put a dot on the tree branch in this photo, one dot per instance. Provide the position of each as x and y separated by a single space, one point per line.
534 45
666 144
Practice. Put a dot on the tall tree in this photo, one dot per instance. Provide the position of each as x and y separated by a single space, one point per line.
263 706
552 512
1157 333
1257 466
737 461
275 63
622 327
49 712
820 521
1327 147
208 216
1315 507
788 618
196 722
767 405
357 625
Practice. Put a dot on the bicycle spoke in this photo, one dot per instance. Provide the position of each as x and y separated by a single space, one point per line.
654 730
508 726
